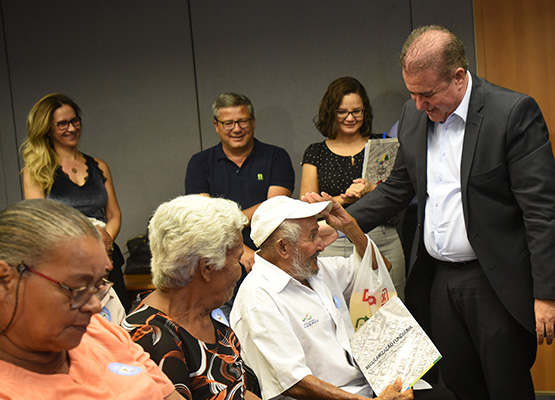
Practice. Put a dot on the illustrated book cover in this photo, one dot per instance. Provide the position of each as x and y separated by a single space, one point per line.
392 344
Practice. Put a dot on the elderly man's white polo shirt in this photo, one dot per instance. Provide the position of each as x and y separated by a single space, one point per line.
288 331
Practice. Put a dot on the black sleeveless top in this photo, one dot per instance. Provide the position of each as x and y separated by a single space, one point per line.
90 198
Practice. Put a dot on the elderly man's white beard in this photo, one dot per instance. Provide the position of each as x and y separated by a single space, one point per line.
303 269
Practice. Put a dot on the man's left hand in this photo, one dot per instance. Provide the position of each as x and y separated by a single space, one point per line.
337 217
545 320
327 233
341 220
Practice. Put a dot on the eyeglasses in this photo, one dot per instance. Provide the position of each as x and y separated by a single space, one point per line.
229 125
344 114
64 125
79 296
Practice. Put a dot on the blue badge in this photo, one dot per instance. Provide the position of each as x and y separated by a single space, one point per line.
336 301
106 314
219 315
123 369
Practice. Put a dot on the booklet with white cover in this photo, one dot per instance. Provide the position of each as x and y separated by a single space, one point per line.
392 344
379 158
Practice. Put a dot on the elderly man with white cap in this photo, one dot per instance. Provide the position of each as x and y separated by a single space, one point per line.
291 313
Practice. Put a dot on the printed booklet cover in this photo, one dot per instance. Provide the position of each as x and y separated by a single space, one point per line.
392 344
379 157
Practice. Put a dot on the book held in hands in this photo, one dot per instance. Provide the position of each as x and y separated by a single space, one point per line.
392 344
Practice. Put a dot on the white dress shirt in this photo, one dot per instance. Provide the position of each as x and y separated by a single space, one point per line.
445 233
289 331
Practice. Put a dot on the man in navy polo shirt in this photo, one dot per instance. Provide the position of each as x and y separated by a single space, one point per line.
240 168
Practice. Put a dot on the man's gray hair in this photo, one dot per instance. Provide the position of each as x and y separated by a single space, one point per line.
31 229
188 229
231 100
289 230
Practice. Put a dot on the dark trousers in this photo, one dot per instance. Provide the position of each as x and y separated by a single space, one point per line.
437 393
487 354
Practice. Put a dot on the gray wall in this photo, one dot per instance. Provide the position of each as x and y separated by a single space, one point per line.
139 68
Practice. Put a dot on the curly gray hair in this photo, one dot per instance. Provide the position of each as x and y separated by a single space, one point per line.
187 229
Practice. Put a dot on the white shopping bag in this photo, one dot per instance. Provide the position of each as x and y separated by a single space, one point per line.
372 289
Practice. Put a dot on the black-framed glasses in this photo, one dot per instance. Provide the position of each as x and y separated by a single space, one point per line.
79 296
64 125
229 125
344 114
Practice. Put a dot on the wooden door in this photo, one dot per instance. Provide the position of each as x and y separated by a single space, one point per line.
515 46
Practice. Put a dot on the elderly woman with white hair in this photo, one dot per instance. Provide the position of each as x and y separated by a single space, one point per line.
196 246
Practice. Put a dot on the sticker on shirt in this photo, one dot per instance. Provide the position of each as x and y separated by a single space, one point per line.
106 314
336 301
309 321
219 315
123 369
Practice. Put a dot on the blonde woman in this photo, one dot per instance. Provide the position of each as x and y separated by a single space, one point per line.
56 169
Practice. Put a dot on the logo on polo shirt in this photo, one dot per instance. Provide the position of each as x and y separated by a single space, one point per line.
308 321
260 177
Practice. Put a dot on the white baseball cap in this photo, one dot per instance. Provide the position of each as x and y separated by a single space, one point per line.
271 213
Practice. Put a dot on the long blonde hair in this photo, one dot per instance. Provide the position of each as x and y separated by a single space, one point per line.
39 156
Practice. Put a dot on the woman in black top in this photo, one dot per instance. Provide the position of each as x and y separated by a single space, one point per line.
55 168
335 166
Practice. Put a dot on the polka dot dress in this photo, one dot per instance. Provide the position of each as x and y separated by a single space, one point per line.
335 172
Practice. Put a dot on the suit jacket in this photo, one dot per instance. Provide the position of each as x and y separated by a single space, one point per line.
508 195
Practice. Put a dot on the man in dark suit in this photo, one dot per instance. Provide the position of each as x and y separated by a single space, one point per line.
482 269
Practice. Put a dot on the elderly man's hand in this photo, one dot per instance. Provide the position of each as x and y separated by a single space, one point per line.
327 233
337 217
393 392
341 220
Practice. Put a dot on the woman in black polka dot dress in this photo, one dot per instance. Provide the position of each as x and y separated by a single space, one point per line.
335 166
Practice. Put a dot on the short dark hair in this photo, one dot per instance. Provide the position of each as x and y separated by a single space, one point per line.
231 100
326 121
443 51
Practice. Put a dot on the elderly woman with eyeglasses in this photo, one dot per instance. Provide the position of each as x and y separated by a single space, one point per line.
335 166
53 343
56 169
196 245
